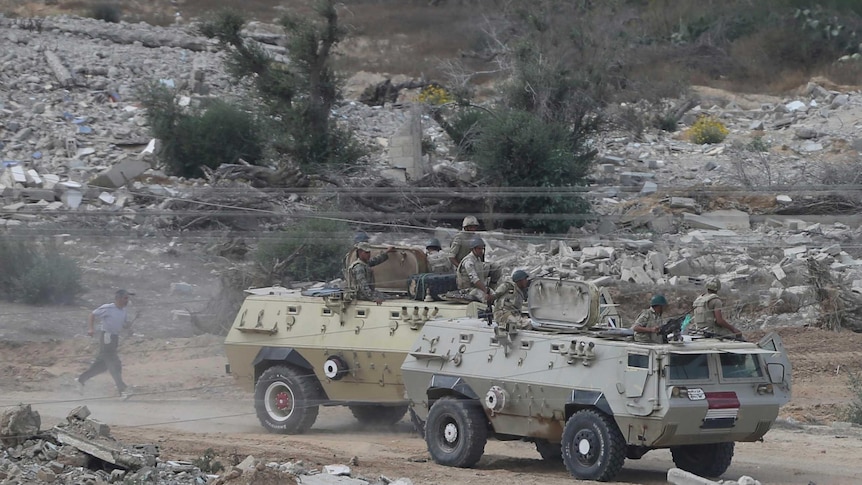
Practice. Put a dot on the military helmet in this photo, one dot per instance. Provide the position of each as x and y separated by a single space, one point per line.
477 242
658 300
433 243
470 221
713 285
360 236
363 246
519 275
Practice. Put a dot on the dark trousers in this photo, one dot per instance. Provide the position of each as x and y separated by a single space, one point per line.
107 360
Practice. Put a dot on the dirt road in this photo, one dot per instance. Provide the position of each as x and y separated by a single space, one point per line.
186 404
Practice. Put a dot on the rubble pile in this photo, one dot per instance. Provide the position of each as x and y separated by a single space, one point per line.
82 450
74 141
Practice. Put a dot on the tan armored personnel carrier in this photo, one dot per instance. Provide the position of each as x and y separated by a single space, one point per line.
587 395
298 351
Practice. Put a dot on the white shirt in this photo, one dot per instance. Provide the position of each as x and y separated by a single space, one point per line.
113 319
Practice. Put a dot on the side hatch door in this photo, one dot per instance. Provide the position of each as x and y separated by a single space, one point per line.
777 363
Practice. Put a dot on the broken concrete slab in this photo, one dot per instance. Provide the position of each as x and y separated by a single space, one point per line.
683 203
105 449
701 222
18 424
677 476
729 219
120 174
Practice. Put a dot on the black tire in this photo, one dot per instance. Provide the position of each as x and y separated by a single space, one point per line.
552 452
286 400
456 432
377 415
710 460
593 447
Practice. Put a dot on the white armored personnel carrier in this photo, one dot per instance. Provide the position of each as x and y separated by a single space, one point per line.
586 394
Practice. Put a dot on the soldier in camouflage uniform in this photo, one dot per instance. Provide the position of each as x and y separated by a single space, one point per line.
360 279
475 275
509 297
707 316
460 245
438 261
647 326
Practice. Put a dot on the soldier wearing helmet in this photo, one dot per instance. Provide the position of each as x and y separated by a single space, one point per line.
460 246
707 316
509 297
647 326
476 276
438 261
360 279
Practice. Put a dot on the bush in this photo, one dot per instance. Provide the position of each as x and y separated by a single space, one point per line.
312 250
38 275
435 95
222 133
853 412
518 149
106 12
707 130
757 144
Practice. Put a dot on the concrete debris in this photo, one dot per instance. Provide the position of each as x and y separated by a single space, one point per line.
75 140
81 450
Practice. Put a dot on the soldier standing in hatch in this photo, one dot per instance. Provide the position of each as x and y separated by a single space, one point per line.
707 316
475 275
460 245
438 261
647 326
509 297
359 276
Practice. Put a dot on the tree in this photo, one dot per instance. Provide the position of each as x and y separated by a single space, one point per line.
299 93
537 136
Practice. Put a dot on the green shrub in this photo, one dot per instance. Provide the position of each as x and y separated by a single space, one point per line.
38 275
464 129
518 149
106 12
757 144
311 250
707 130
209 137
666 122
853 412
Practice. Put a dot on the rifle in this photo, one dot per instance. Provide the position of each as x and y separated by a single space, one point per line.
672 326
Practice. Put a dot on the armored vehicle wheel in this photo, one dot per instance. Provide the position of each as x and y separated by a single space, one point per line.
375 414
550 451
593 447
285 400
456 432
710 460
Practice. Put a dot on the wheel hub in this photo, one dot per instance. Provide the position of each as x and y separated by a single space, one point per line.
584 447
587 447
282 401
450 433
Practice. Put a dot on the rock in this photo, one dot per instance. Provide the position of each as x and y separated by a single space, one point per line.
18 424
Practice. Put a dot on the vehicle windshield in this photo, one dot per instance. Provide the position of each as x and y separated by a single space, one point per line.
740 366
689 366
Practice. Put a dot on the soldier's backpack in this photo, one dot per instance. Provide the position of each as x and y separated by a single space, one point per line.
421 286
